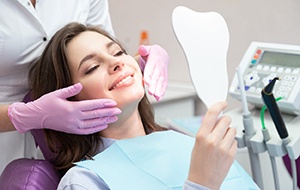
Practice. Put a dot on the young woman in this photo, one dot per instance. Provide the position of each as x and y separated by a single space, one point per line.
89 55
38 21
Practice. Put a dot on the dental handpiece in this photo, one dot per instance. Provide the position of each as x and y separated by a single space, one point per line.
269 100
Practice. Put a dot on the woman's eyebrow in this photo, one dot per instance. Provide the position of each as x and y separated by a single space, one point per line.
108 45
88 57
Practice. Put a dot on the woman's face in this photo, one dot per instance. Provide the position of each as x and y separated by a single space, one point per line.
104 70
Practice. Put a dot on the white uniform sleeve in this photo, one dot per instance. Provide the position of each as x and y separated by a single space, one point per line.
78 178
99 15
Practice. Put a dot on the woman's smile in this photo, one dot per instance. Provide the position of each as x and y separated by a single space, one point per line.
124 80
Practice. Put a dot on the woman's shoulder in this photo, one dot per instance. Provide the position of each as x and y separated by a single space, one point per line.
81 179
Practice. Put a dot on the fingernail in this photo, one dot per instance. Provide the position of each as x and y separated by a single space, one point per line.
158 98
111 119
117 111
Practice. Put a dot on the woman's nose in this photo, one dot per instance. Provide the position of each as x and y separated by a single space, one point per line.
116 64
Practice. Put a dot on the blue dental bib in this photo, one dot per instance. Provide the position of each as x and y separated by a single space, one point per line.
156 161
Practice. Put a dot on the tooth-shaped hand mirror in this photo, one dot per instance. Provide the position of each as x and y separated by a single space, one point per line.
204 38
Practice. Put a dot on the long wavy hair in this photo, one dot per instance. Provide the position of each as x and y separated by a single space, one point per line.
52 72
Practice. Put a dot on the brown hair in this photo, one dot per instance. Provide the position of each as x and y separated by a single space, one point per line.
51 72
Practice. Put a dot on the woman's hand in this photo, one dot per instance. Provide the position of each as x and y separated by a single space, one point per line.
214 150
54 111
154 63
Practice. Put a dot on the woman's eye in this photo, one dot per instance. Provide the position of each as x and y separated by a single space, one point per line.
119 53
92 69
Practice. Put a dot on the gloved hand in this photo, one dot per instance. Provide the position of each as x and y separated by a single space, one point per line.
54 111
154 63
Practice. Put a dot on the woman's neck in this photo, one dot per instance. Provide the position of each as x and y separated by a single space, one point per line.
127 126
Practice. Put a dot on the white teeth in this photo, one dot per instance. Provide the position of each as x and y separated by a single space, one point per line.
121 82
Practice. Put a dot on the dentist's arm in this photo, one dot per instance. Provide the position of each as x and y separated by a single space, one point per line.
5 124
154 63
214 150
54 111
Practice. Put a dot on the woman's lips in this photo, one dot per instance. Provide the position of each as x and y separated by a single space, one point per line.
124 79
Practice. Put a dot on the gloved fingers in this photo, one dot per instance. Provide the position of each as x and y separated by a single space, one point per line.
86 131
157 92
142 64
94 125
146 63
144 50
89 105
149 70
147 79
152 83
99 121
160 89
70 91
100 114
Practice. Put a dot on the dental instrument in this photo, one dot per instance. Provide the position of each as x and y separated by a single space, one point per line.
270 102
249 132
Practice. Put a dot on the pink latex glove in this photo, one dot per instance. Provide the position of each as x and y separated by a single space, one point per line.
54 111
154 63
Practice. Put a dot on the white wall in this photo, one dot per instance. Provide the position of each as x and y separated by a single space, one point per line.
276 21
